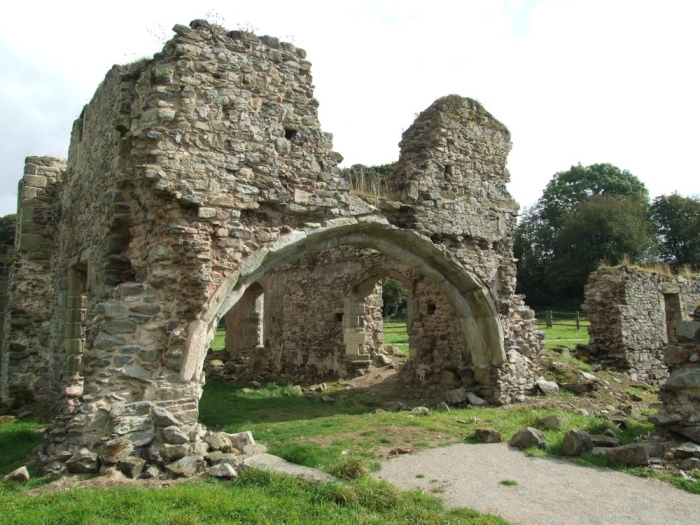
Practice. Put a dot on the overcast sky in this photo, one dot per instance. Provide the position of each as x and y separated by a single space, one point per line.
574 80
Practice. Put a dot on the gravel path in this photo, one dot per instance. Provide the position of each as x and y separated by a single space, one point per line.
548 491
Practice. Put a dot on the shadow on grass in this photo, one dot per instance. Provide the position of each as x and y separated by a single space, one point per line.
228 405
17 440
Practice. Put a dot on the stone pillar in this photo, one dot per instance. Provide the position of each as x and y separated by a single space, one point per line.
244 322
26 355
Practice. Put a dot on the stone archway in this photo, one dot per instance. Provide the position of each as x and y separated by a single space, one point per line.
481 330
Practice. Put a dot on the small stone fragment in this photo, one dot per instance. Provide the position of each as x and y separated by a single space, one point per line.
487 435
528 437
20 474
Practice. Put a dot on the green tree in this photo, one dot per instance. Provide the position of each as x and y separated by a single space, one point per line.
677 221
536 238
394 296
7 229
601 228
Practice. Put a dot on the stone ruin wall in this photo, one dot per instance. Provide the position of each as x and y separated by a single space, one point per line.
681 393
633 317
191 177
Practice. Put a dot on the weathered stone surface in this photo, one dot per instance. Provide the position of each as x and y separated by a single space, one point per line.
83 462
528 437
576 442
240 440
115 450
164 418
687 450
222 457
475 400
20 474
218 441
456 396
683 379
604 441
578 388
279 465
132 467
547 387
552 422
186 467
174 436
487 435
635 454
172 452
664 420
223 470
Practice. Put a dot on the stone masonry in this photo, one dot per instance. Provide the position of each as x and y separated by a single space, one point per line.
634 315
681 393
199 182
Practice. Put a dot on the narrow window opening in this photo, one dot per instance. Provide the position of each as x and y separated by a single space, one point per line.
289 134
432 307
339 317
449 169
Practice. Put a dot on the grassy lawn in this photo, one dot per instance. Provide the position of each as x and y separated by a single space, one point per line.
219 342
566 335
395 335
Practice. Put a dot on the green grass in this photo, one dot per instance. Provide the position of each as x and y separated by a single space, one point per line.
395 334
509 482
568 335
219 342
255 497
17 439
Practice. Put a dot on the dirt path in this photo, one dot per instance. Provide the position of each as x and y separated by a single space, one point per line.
547 492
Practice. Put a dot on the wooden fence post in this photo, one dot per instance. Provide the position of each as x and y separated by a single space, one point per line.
549 318
578 323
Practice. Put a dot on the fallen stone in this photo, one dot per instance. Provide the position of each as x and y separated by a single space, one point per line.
424 411
150 473
475 400
113 451
690 464
398 451
20 474
577 388
172 452
528 437
222 457
174 436
634 454
382 360
443 407
223 470
605 441
186 467
684 379
692 433
218 441
664 420
239 440
487 435
552 422
654 450
83 462
327 399
132 467
456 396
576 442
687 450
276 464
621 422
548 388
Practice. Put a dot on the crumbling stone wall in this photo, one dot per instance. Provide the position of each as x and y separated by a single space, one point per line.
633 317
681 392
28 368
198 173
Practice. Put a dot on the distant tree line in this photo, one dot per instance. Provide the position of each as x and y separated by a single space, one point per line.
599 213
7 229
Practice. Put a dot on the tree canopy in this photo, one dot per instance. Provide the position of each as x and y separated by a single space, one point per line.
585 214
677 221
